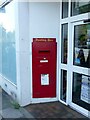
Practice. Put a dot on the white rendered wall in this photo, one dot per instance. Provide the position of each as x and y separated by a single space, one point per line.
44 21
35 20
32 20
23 54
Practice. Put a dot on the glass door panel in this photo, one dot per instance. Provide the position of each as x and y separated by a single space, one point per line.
82 45
81 63
81 90
63 85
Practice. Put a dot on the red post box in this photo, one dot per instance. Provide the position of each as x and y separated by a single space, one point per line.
44 54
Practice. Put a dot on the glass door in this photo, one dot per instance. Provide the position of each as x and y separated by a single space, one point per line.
80 89
82 45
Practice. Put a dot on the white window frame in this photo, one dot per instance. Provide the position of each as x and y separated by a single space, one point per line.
69 67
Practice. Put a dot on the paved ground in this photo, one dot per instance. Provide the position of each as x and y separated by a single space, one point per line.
52 110
35 111
7 109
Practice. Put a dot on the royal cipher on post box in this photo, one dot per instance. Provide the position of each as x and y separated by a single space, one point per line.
44 57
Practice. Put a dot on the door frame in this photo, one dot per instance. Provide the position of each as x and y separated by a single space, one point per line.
76 69
69 67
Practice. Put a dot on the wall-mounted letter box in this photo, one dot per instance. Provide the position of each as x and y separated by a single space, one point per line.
44 54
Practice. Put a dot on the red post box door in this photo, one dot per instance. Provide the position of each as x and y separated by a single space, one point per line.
44 54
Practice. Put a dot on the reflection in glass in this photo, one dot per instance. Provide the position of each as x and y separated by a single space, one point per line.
81 90
7 42
64 9
82 45
80 7
64 43
63 85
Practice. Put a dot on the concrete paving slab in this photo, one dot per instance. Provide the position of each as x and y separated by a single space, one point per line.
0 102
0 90
8 110
0 117
89 114
11 113
25 113
6 103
